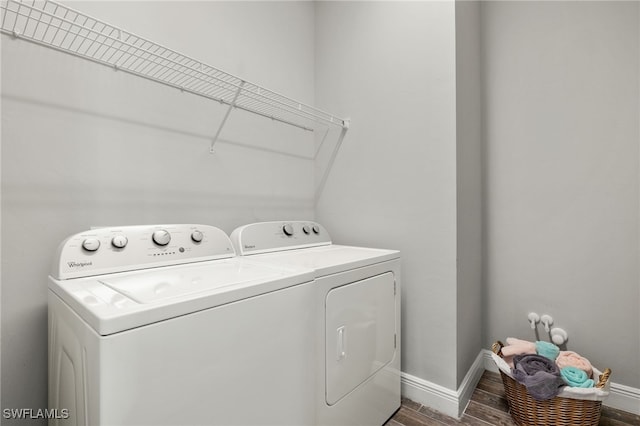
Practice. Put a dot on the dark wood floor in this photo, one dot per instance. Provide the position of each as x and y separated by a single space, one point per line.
488 406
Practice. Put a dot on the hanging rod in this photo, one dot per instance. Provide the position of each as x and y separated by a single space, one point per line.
62 28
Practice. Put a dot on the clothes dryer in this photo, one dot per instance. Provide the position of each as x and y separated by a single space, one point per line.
358 316
163 325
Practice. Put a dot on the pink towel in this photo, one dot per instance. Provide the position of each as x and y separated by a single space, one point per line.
572 359
517 347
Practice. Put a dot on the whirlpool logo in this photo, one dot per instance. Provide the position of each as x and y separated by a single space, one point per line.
79 264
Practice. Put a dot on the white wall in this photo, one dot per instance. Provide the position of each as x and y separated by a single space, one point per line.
392 67
470 291
84 145
562 135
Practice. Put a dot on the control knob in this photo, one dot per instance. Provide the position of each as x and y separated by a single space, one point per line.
306 229
91 244
288 230
161 237
119 241
316 229
197 236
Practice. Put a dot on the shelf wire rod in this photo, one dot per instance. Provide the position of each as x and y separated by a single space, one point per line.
143 62
137 57
165 66
156 66
66 33
288 106
117 48
180 73
102 43
15 22
47 27
127 50
183 78
196 77
4 15
199 84
260 98
325 175
92 42
187 79
226 116
39 20
131 51
149 63
80 28
217 91
324 137
305 114
168 73
60 24
110 47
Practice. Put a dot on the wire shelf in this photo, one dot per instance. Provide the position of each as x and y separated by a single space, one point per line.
62 28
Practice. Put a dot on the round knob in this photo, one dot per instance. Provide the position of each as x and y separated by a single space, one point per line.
91 244
306 229
119 241
197 236
316 229
161 237
288 230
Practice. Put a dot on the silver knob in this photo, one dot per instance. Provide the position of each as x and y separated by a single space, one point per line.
91 244
161 237
288 230
316 229
306 229
119 241
197 236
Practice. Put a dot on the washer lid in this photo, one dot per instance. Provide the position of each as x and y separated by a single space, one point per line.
115 302
327 260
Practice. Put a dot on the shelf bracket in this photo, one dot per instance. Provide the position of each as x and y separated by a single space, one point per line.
325 175
226 115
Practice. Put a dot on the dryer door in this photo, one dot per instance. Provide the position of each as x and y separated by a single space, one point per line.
360 333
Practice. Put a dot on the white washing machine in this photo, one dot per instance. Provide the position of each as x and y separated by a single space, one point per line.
163 325
358 323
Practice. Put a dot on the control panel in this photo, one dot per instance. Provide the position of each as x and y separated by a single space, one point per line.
127 248
265 237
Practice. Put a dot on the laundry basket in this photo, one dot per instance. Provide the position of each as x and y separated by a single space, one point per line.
572 407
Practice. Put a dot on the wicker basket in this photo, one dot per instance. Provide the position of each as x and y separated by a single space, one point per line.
557 411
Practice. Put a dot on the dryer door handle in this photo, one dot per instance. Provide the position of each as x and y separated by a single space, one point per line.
342 343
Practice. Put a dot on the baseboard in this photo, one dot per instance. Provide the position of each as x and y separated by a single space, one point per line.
622 397
447 401
453 402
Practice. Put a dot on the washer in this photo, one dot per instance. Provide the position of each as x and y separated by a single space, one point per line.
358 317
163 325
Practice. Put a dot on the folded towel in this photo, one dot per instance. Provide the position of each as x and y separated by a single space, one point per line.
547 349
517 347
575 377
572 359
539 374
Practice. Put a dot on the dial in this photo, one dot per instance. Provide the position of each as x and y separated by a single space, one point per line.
288 230
197 236
119 241
91 244
306 229
316 229
161 237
